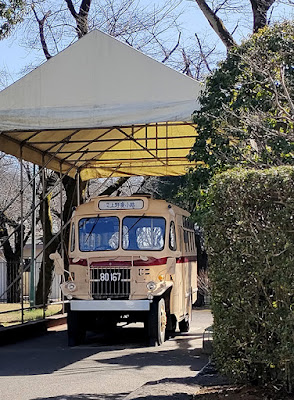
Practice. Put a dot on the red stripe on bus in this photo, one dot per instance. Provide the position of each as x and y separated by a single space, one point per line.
186 259
111 263
81 261
137 263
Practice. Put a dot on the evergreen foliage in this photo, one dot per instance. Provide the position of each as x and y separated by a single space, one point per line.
250 240
247 109
11 12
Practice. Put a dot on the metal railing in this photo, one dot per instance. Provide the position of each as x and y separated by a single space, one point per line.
17 293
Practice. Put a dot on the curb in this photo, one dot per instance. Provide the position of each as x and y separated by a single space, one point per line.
209 376
179 388
172 388
12 334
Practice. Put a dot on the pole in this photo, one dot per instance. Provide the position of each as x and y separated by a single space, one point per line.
78 188
21 236
44 234
61 231
33 249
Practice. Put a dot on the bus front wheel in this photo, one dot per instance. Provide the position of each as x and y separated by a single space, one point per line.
76 331
157 322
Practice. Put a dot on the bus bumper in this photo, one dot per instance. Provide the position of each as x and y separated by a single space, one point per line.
110 305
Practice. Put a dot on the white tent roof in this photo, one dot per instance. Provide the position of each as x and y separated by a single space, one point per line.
98 82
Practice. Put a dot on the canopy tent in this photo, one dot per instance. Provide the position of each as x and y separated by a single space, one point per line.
101 107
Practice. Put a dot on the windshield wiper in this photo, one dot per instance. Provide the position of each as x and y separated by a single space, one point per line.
138 220
93 227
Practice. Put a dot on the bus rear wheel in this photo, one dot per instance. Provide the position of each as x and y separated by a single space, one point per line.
157 322
184 325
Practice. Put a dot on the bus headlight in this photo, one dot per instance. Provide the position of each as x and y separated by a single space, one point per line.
151 285
71 286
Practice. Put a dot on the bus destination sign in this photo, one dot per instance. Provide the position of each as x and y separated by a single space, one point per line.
121 204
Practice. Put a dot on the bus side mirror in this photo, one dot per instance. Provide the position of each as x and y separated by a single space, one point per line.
58 263
171 265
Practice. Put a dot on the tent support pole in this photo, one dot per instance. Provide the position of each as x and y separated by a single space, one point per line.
33 235
21 236
78 188
61 229
44 235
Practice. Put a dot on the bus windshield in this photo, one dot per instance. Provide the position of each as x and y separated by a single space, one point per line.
98 233
143 233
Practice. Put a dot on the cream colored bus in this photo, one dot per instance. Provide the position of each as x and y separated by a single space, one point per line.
131 260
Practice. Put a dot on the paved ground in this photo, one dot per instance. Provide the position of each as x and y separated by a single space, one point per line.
104 368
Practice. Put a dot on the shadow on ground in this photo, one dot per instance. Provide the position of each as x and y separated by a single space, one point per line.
49 353
85 397
178 396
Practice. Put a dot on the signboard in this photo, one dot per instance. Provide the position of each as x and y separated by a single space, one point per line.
135 204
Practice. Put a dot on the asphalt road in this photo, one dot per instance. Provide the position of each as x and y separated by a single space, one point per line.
105 368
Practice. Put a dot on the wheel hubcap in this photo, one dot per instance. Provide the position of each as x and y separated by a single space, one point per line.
163 319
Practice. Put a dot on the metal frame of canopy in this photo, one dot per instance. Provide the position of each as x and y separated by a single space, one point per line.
113 102
147 145
147 149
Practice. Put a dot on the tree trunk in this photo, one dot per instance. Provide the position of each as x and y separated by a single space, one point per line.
260 9
46 269
13 280
12 260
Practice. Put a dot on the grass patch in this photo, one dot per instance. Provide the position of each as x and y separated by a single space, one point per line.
14 317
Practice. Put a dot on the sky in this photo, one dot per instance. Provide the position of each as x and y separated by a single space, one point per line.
15 58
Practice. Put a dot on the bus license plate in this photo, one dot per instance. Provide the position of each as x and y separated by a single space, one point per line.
109 276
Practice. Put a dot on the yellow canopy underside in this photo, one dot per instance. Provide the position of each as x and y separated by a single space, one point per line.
157 149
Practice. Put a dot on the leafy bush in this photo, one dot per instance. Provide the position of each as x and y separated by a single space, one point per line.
250 238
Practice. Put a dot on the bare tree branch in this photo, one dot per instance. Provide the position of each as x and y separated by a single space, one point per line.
115 186
82 18
217 24
187 63
203 56
172 50
71 8
41 23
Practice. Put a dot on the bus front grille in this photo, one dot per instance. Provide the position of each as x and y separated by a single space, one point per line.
110 283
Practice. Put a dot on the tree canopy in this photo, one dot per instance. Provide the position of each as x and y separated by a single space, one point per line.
247 110
11 13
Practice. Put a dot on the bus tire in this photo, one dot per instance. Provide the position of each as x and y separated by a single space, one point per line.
171 326
184 325
157 322
76 331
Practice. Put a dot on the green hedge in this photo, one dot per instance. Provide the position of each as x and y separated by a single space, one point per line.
250 239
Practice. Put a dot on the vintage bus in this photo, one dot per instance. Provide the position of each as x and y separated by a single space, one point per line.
132 259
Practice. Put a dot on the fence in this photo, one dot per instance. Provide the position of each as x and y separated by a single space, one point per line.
18 288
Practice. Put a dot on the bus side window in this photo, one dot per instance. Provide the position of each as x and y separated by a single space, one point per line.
172 236
194 242
186 240
192 238
72 238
